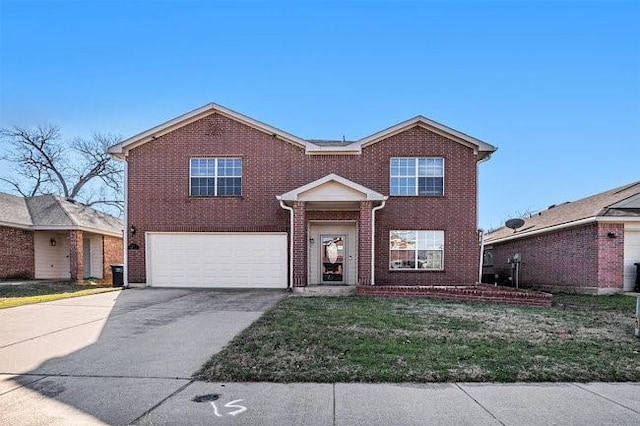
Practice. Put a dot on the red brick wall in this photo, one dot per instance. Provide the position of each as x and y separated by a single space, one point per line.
112 254
364 243
16 254
578 259
76 255
610 257
299 245
159 191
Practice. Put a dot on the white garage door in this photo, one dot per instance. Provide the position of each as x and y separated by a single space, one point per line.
631 256
232 260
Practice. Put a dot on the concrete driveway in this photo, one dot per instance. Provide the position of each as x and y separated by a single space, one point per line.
112 357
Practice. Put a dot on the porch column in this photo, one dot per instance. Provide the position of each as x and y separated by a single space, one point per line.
364 243
299 244
76 255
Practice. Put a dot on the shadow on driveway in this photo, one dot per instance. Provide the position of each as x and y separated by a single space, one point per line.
112 357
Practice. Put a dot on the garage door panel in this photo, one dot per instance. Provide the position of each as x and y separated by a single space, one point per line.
631 256
217 260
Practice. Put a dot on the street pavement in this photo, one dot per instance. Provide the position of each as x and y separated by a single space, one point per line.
127 358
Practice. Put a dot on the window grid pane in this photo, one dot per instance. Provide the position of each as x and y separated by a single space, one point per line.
416 250
216 177
416 176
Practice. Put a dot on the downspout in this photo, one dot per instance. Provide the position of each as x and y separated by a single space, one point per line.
481 254
290 283
478 214
125 239
373 241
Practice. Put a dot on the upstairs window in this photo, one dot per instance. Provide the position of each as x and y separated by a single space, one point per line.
417 176
215 177
416 250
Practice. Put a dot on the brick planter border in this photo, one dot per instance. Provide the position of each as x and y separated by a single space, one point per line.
478 293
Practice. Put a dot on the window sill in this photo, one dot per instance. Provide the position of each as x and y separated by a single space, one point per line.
214 197
417 270
417 196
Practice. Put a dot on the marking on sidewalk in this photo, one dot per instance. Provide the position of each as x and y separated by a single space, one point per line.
211 397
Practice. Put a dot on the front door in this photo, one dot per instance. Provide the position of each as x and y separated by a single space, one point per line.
86 246
332 258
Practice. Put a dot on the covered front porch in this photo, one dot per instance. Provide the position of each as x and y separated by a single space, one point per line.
332 233
74 255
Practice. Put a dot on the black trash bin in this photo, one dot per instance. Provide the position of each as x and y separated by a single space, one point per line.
637 277
118 275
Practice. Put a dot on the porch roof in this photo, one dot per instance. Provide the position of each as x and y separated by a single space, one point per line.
332 189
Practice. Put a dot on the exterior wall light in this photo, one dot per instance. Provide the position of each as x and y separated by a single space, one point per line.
611 234
52 242
132 230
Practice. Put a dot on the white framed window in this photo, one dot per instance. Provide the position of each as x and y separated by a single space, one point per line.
423 176
416 250
487 258
215 177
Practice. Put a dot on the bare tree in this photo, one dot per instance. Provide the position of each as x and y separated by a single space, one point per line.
39 162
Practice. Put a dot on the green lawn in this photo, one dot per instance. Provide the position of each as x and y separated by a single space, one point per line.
365 339
26 294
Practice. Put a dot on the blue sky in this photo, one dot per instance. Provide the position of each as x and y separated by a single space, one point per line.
555 85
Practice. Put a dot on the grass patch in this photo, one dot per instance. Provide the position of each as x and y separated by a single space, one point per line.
365 339
27 294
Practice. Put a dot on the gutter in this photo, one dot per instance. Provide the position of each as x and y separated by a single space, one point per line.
290 283
607 219
373 241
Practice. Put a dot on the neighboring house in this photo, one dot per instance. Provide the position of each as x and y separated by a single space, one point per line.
48 237
218 199
586 246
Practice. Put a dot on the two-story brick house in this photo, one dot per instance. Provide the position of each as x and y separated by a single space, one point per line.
217 199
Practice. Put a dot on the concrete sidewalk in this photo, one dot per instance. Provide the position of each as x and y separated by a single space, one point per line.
64 400
400 404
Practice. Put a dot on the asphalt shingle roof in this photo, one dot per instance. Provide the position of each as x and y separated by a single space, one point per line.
622 201
51 211
14 210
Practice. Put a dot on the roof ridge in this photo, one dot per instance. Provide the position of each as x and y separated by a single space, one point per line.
59 200
624 188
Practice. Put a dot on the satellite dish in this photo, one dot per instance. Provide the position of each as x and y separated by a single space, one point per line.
514 223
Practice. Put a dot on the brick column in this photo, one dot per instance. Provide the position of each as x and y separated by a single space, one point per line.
299 244
76 255
364 243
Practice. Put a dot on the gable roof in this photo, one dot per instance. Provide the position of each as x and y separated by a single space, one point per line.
434 126
52 212
14 211
311 146
367 193
622 202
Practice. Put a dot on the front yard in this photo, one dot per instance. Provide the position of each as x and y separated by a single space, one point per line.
364 339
